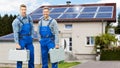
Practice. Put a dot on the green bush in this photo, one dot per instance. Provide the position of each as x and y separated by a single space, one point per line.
105 40
110 54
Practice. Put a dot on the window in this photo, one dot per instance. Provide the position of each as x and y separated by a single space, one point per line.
90 40
111 31
68 26
67 44
70 44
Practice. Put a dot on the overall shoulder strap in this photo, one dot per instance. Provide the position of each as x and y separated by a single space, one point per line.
30 23
50 21
20 20
29 19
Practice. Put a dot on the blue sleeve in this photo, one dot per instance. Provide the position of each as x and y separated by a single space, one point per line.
15 25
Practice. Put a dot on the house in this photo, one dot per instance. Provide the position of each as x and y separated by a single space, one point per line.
78 25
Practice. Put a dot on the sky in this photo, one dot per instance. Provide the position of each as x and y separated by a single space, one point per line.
12 6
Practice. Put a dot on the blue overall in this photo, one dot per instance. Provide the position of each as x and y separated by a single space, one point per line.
25 41
47 42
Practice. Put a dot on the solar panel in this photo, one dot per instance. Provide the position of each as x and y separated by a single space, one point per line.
105 9
75 9
38 11
68 12
54 15
66 15
36 17
89 9
86 15
104 15
58 10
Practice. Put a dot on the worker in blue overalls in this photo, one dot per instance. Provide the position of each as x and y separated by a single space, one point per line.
23 35
48 36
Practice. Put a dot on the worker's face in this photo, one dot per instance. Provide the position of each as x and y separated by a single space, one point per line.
23 11
46 13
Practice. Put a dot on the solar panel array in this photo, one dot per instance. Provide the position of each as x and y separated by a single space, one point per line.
73 12
77 12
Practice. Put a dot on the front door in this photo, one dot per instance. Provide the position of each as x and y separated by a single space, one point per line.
67 44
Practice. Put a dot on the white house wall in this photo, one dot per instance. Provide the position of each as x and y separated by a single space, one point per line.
79 32
35 26
4 49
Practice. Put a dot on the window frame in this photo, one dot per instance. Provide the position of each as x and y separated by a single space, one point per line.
69 28
91 41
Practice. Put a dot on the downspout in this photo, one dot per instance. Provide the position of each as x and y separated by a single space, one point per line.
102 26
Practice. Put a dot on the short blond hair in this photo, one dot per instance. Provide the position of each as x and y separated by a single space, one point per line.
22 5
46 8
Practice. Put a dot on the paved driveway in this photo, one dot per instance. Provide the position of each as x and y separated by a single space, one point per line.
99 64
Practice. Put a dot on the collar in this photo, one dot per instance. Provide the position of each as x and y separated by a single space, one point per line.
49 18
23 17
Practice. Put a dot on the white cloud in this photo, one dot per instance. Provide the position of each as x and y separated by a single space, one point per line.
12 6
45 3
111 1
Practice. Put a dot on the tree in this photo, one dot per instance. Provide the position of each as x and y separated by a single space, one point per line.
107 27
117 29
6 24
119 19
0 17
105 40
0 25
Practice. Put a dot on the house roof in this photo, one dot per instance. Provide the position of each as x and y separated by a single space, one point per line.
7 37
78 13
10 37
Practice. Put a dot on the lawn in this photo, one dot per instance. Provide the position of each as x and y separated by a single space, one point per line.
60 65
67 64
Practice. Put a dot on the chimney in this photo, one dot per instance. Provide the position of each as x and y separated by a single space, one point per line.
68 2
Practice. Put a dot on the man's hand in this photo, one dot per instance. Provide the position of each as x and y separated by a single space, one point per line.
18 46
57 46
